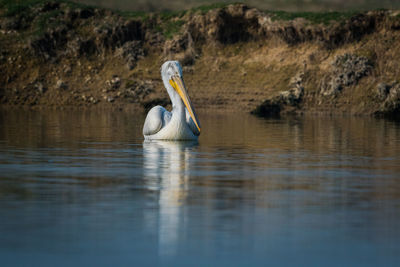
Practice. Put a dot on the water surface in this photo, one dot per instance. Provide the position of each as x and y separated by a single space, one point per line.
82 188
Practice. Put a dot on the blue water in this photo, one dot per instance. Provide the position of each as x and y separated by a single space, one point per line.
83 189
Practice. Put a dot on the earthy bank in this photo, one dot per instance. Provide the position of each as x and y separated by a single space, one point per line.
60 54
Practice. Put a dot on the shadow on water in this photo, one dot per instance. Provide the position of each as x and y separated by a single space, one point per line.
250 191
168 164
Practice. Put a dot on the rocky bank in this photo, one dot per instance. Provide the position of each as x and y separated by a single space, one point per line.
60 54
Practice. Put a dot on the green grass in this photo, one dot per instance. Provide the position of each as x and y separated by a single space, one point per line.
170 22
163 15
47 20
170 14
205 8
43 20
172 27
167 15
133 14
15 7
72 4
313 17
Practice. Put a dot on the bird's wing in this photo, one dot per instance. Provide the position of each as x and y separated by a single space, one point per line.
191 124
156 119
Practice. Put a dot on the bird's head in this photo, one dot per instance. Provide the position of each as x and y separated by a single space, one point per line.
171 72
171 68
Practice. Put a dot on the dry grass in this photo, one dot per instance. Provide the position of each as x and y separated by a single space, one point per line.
229 77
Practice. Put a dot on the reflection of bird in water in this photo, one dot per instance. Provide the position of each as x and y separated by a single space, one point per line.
166 168
179 124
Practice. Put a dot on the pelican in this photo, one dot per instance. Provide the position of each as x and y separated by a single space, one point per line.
179 124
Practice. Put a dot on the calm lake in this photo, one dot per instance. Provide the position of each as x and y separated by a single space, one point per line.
82 188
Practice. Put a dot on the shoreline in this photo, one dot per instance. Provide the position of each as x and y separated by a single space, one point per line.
234 57
214 110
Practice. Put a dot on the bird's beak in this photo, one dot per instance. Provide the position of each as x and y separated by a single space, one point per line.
179 86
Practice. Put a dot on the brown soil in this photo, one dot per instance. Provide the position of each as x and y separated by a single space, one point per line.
234 58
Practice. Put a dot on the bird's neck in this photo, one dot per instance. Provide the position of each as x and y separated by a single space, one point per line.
178 109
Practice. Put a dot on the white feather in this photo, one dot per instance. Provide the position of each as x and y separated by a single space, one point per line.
161 124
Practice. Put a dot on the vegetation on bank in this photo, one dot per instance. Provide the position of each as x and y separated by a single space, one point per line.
31 11
63 53
314 17
17 7
169 23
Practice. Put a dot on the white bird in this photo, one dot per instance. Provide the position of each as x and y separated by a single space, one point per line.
179 124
